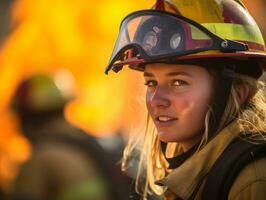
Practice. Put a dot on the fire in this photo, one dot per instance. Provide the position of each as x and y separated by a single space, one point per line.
79 36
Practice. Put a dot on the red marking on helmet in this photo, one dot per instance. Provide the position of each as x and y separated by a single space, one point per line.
235 13
253 45
159 5
244 54
130 61
173 7
130 53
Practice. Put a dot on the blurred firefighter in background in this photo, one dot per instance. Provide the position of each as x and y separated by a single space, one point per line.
66 163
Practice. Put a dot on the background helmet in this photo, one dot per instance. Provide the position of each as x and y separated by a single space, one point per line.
43 93
227 19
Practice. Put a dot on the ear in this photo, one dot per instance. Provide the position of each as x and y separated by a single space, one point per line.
242 91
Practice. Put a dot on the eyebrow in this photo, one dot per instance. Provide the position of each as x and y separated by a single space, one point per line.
148 74
178 73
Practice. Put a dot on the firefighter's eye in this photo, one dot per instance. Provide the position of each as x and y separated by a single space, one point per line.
150 83
179 82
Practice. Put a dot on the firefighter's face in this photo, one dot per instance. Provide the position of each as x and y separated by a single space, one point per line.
178 98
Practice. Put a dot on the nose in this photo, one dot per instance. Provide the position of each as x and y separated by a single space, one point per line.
158 98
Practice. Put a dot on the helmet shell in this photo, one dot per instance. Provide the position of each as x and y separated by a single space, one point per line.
40 93
228 19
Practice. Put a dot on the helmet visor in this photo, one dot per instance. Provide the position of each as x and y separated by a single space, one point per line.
151 35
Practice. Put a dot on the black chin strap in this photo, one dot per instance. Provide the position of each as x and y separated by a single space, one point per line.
223 89
176 161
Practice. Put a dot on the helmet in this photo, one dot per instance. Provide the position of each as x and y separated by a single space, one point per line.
187 30
42 93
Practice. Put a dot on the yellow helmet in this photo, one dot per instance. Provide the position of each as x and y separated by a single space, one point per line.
188 30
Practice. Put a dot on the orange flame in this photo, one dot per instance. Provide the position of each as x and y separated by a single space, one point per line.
78 35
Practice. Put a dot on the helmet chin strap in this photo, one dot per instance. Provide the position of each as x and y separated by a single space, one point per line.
176 161
223 88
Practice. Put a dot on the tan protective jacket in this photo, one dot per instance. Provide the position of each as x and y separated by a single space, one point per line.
182 181
59 171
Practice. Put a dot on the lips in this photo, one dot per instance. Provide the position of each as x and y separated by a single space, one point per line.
165 120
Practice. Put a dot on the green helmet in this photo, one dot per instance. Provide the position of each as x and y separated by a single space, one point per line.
42 93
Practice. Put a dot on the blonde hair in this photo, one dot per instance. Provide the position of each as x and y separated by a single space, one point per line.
152 165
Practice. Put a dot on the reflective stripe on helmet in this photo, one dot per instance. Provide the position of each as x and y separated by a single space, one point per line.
236 32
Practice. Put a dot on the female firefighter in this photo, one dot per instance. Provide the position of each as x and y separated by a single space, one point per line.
205 135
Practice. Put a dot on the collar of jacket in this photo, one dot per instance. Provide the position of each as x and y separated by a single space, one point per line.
184 179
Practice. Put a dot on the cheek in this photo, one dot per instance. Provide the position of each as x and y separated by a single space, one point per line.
192 108
148 100
181 102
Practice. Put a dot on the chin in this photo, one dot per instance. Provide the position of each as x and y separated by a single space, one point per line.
167 137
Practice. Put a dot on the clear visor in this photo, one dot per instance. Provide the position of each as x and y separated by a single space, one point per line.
147 36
